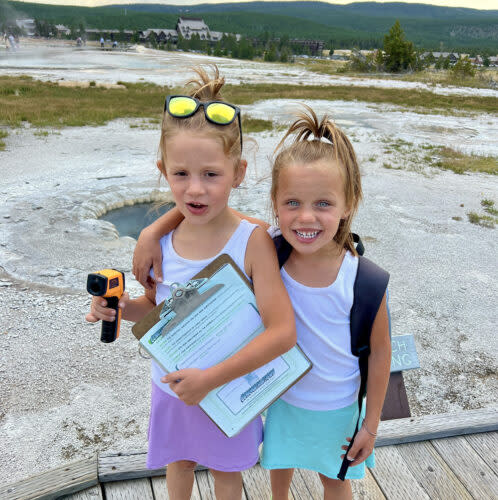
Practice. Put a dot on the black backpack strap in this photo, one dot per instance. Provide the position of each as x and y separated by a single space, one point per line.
369 288
284 249
359 244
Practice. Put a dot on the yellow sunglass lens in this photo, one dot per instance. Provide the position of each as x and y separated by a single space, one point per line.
220 113
181 106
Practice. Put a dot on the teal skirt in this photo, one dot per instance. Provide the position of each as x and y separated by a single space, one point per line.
308 439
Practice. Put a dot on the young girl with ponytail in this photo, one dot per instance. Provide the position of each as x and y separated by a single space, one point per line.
315 193
201 159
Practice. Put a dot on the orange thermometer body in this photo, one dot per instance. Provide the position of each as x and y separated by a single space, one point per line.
109 284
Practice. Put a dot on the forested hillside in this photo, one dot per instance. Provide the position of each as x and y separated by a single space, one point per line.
358 24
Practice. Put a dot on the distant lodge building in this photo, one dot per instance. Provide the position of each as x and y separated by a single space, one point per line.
186 28
452 56
158 35
314 46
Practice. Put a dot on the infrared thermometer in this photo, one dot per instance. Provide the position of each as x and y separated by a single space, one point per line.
110 284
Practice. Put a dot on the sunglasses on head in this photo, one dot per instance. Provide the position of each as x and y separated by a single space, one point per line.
217 112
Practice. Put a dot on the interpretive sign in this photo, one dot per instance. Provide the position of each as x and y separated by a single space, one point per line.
404 354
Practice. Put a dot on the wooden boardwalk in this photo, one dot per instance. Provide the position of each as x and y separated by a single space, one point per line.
447 457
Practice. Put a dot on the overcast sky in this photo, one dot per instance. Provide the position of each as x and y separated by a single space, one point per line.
471 4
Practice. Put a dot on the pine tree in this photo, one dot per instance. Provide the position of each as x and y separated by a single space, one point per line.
399 52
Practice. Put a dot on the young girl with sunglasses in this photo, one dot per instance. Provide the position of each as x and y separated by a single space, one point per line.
316 190
201 147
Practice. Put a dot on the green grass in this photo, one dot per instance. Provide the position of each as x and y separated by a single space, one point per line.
420 101
253 125
45 104
488 220
429 155
449 159
483 79
3 135
489 206
482 220
400 144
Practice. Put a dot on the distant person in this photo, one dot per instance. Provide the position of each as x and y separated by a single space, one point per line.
102 42
315 193
12 42
201 159
79 41
114 44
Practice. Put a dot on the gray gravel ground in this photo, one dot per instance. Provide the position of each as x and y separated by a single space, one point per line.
65 395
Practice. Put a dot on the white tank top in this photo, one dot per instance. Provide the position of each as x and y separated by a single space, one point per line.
323 333
177 269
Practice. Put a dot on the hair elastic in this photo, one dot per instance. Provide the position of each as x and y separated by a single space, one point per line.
323 139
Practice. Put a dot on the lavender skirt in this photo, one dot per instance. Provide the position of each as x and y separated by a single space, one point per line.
181 432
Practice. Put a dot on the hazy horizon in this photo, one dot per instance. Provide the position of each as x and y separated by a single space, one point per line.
475 4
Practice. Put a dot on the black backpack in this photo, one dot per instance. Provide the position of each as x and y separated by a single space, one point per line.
369 288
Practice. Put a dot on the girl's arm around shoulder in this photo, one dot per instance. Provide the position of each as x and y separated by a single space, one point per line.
147 252
252 220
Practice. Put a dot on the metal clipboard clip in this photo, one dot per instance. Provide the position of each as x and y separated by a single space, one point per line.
184 299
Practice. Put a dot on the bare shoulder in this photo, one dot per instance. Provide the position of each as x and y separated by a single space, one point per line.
260 252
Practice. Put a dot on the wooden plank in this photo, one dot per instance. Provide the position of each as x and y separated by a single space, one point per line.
131 489
432 472
407 430
160 489
469 467
257 483
486 445
114 466
299 488
396 402
394 477
367 488
129 465
205 484
93 493
312 481
55 483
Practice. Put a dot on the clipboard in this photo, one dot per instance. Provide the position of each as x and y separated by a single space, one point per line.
140 328
170 330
